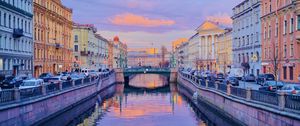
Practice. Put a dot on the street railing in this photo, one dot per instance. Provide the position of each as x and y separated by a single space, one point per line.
265 97
279 100
292 102
7 96
239 92
222 87
16 95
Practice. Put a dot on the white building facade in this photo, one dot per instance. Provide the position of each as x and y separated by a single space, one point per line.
247 36
16 37
181 55
193 51
208 32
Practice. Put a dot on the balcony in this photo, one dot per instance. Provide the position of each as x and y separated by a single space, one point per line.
18 33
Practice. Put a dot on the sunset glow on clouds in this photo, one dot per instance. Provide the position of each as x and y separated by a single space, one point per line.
223 19
130 19
142 23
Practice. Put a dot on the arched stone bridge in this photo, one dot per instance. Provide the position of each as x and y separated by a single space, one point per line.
123 75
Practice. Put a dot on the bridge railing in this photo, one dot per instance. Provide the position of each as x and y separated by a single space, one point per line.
17 95
278 100
146 69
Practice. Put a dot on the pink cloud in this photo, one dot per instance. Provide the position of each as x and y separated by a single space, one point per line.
224 19
130 19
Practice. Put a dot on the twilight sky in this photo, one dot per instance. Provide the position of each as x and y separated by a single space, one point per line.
143 23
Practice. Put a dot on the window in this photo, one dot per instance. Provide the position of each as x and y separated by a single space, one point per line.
292 50
284 73
76 38
285 51
276 29
285 27
265 33
298 22
4 19
266 53
270 6
269 35
9 21
252 38
292 25
257 55
76 48
76 58
291 73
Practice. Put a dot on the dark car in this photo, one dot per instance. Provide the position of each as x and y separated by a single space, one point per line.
45 76
220 77
11 82
249 78
271 86
264 77
233 81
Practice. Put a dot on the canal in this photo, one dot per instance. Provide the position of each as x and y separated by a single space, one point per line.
148 100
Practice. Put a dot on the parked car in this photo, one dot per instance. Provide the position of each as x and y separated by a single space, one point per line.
29 87
292 89
249 78
220 77
233 81
32 83
45 76
77 76
264 77
55 79
236 72
11 82
271 86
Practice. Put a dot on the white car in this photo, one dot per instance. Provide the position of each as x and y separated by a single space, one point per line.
31 83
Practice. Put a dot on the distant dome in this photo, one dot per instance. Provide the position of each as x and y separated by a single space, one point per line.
116 39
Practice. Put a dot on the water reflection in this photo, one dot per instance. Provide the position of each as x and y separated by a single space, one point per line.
130 107
150 81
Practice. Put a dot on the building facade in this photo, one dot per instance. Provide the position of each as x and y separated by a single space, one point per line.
193 51
208 32
224 51
16 42
181 55
53 44
90 48
246 36
137 58
119 51
281 39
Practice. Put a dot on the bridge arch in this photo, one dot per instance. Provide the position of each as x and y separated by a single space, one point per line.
130 72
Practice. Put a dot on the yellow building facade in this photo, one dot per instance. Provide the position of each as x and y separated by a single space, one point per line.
224 51
53 45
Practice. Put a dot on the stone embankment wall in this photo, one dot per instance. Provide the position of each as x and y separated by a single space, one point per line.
246 112
32 111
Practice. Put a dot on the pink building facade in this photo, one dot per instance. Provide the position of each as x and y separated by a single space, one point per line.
281 39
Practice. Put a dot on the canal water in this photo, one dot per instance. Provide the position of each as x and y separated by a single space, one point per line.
147 100
156 106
